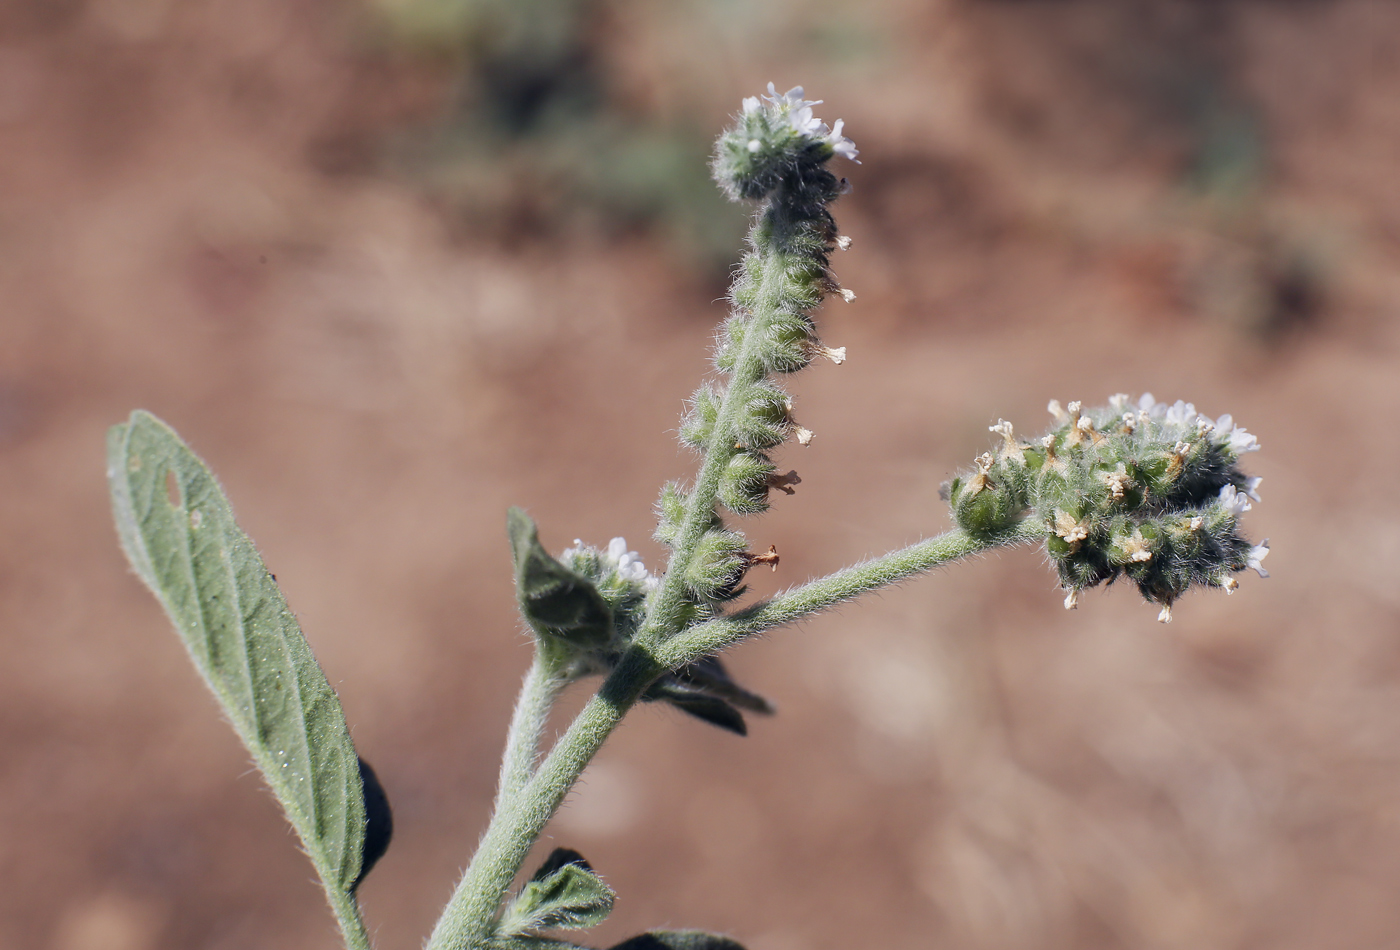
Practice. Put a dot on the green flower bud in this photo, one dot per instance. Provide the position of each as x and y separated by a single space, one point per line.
743 488
699 422
717 567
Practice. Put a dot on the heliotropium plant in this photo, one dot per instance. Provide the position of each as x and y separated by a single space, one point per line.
1148 491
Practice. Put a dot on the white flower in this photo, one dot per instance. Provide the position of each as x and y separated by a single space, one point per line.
1181 413
1237 438
1250 484
798 112
1072 600
629 563
841 145
1166 614
1256 557
1234 502
1241 441
751 103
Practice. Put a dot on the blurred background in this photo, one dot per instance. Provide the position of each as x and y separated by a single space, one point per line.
393 265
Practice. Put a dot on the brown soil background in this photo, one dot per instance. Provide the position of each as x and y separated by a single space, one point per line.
958 763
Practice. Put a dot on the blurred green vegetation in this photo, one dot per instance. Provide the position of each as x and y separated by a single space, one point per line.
533 140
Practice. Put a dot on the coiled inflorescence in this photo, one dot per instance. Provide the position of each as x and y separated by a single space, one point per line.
776 154
1151 491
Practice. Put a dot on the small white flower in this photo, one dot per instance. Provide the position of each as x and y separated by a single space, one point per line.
1119 402
1241 441
628 563
1166 615
1256 557
798 111
843 243
1250 486
751 104
1230 584
1234 502
1180 413
755 145
847 295
841 145
1072 600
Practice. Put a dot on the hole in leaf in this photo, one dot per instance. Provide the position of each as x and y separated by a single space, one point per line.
172 488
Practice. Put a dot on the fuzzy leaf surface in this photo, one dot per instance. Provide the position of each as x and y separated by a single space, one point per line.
563 894
556 601
179 534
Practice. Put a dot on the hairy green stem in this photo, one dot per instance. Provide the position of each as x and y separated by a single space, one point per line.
847 584
662 619
470 917
347 915
537 695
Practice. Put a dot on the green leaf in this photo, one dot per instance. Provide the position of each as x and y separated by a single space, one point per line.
706 708
678 940
180 535
556 601
563 894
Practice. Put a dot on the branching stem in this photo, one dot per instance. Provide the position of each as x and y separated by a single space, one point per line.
848 584
469 919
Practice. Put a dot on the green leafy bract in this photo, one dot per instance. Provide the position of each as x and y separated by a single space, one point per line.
564 894
556 601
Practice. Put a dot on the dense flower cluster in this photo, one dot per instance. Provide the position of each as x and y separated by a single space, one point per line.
773 138
1150 491
775 153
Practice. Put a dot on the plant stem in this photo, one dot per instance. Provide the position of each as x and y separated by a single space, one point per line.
537 695
844 585
468 920
347 915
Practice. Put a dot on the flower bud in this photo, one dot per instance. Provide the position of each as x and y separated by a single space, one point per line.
717 567
699 422
743 487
